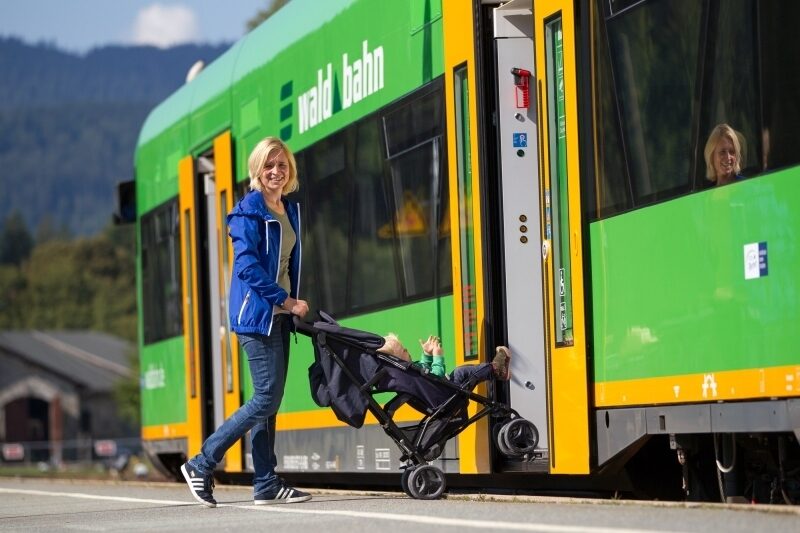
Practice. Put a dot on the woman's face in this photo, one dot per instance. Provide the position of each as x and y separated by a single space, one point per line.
275 172
724 160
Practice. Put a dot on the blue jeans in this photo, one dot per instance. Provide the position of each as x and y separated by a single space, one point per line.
268 357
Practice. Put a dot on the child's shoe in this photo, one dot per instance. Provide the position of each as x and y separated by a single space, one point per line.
502 363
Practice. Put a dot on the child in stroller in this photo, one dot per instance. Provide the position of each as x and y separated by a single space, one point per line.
432 361
350 368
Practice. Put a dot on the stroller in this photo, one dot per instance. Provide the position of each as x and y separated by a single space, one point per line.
348 372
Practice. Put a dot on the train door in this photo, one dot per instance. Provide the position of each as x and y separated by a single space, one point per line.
189 227
212 350
561 239
229 377
518 158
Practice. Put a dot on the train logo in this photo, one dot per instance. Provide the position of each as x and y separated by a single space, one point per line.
361 78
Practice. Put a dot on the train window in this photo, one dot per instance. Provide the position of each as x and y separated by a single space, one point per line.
414 123
373 275
732 83
780 84
161 275
372 239
556 191
327 221
444 282
666 73
414 143
608 193
308 282
411 187
653 48
463 204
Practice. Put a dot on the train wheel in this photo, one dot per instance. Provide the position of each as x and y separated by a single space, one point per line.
426 483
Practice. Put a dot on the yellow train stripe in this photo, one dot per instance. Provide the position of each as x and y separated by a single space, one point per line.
325 418
313 419
773 382
165 431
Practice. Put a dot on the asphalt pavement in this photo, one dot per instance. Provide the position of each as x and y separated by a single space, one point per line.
69 505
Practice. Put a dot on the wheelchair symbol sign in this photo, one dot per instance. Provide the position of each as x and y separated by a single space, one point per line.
520 140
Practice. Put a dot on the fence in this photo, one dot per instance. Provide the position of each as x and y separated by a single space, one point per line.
113 453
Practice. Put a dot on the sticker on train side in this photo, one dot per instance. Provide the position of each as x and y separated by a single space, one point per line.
755 260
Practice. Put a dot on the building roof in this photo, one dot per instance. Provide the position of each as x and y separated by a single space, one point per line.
90 359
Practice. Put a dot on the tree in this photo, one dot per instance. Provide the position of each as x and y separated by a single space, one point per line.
12 289
15 240
127 393
47 230
91 285
58 295
264 14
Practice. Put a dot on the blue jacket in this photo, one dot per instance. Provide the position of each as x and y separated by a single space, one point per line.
256 237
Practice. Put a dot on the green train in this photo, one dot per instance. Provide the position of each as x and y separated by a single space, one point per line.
528 173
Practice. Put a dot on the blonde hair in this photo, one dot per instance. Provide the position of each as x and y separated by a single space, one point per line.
263 151
393 346
722 131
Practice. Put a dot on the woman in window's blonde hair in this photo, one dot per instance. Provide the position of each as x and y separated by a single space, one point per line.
723 154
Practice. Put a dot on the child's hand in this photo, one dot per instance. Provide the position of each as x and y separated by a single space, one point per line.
428 345
432 346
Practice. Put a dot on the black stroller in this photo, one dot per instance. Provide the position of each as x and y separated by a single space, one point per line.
348 371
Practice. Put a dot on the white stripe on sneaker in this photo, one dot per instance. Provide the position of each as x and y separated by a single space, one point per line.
282 495
198 488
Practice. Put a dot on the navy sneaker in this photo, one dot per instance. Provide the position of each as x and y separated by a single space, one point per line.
284 495
201 486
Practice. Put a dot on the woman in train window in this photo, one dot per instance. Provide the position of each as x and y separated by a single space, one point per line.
265 229
723 154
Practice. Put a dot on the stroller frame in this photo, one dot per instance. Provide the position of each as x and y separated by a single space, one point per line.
424 441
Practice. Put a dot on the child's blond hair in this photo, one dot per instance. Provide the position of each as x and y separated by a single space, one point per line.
393 346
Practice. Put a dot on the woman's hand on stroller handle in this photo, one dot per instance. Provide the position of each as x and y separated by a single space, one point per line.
296 307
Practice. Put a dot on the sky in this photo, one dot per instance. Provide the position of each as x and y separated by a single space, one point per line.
80 25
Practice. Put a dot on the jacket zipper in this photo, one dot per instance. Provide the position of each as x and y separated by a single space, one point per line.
299 253
241 310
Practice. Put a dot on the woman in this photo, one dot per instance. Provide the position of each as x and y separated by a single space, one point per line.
265 230
723 154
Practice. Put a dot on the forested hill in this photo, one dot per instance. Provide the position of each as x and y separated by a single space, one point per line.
69 123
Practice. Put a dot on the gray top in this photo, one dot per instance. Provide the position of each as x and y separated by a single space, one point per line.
288 240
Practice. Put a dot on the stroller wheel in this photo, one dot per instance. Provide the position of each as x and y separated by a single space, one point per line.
499 439
404 480
519 436
426 483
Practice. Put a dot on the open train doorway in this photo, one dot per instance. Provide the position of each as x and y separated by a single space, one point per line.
215 174
522 246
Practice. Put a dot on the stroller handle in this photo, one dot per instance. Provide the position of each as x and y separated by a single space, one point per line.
303 327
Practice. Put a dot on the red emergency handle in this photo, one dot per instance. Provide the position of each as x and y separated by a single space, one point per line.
522 87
